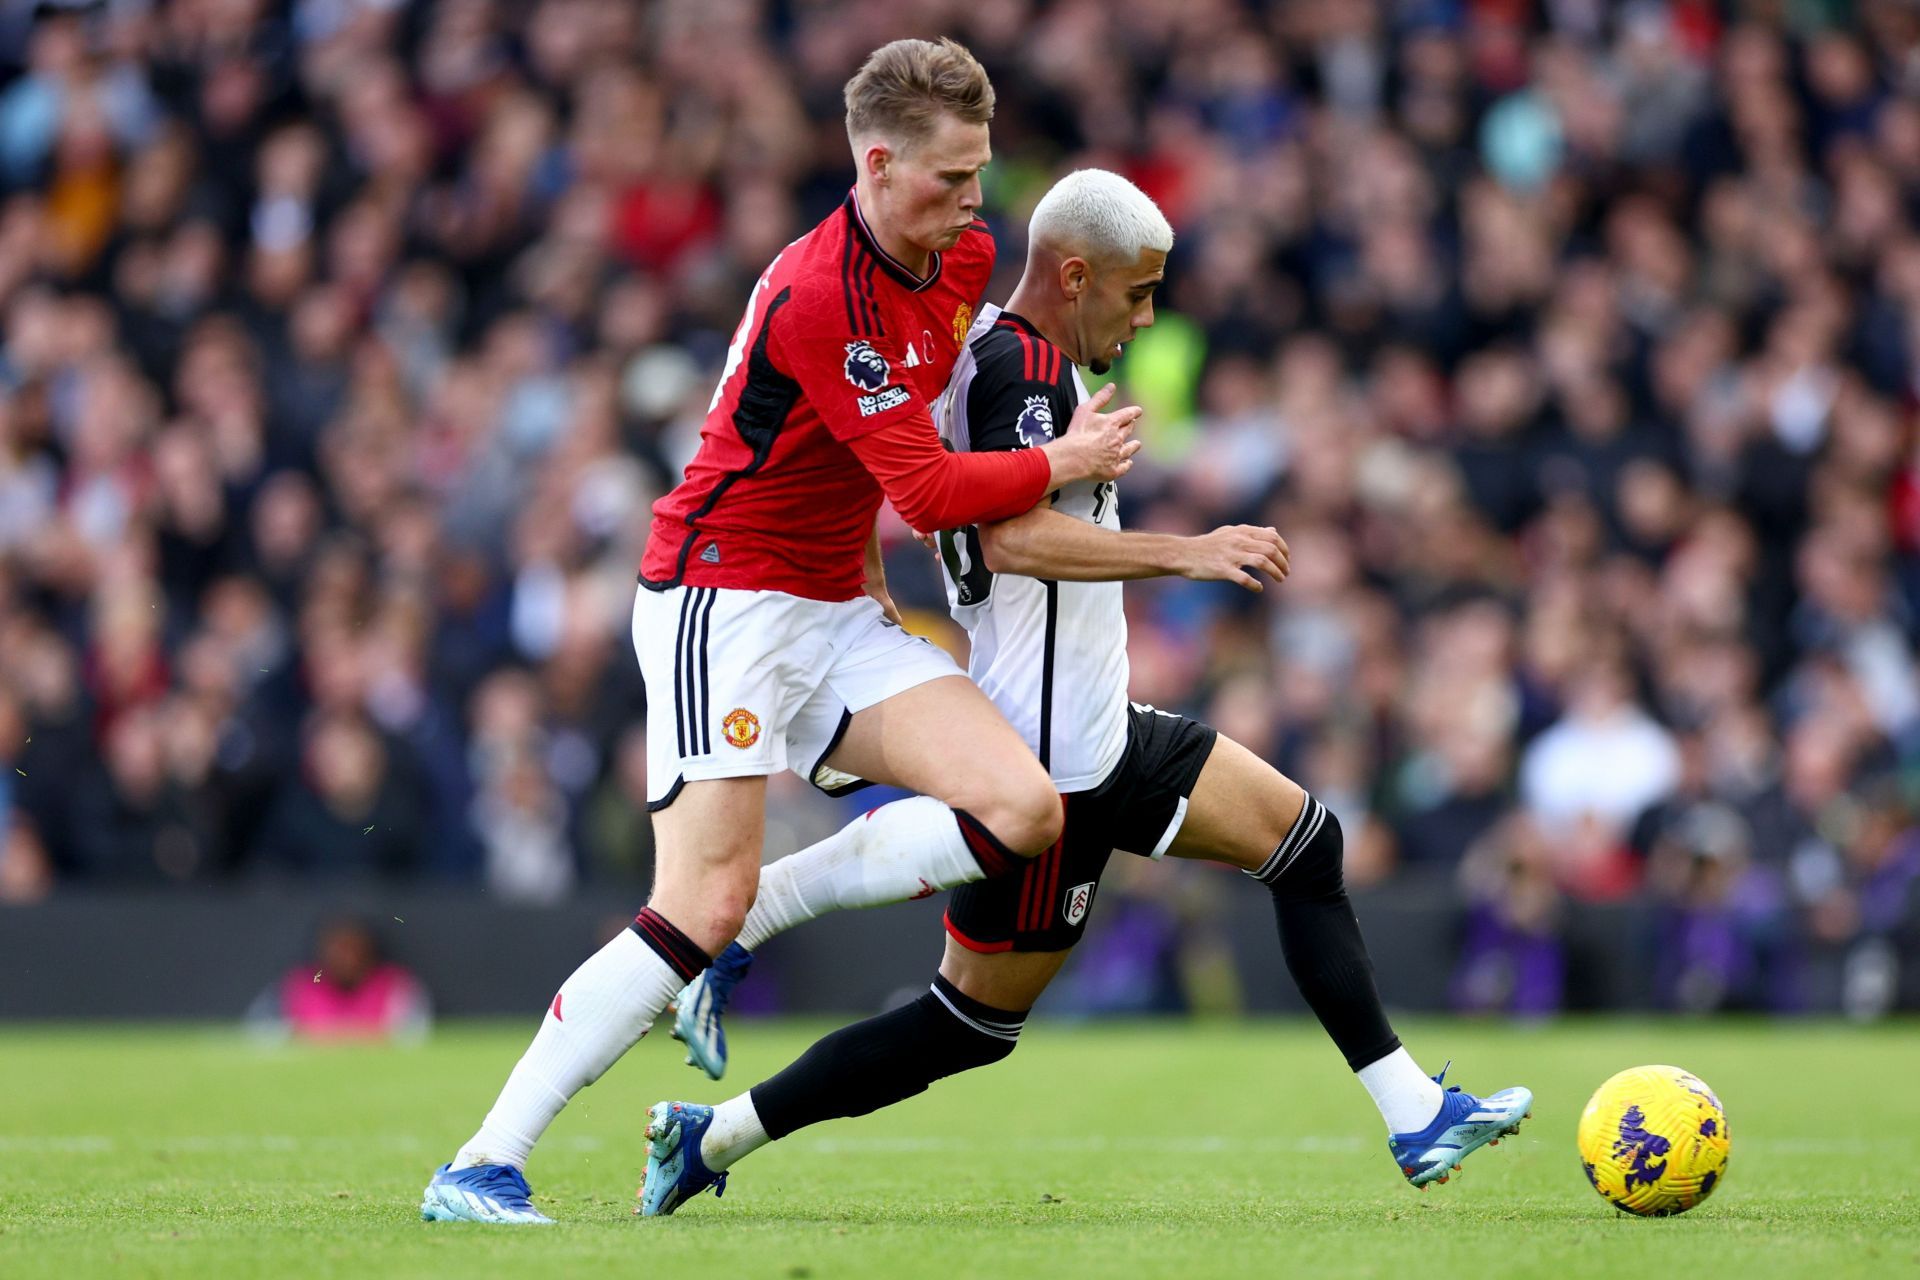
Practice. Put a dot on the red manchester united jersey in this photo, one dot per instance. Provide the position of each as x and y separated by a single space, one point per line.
839 340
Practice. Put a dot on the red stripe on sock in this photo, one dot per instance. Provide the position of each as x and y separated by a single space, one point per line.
671 945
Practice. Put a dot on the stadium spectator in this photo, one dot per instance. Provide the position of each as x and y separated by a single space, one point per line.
1593 771
1724 937
1864 907
349 990
1511 958
350 810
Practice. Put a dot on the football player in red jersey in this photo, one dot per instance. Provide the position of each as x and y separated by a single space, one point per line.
761 625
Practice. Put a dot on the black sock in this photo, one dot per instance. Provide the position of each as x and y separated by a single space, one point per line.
887 1059
1320 936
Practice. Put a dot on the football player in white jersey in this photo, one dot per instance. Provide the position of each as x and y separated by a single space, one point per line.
1040 596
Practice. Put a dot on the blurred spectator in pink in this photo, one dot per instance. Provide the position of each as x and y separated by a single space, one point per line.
349 991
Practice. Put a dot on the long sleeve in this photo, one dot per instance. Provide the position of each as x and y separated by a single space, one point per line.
933 489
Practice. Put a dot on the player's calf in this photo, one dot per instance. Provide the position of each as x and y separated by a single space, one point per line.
1320 937
884 1060
600 1011
1429 1131
1327 957
1309 862
864 1067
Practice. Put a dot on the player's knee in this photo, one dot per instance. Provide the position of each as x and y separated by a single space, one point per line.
1017 805
729 910
716 917
707 887
1308 861
725 921
1028 818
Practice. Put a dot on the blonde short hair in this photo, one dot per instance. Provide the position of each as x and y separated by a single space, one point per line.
1099 216
902 89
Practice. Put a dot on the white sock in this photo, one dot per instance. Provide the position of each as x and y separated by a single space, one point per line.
907 849
1407 1097
736 1131
601 1011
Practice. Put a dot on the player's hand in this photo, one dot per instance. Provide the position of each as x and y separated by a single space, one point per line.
1096 445
927 540
1228 554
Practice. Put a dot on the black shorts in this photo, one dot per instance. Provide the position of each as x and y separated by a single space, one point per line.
1139 809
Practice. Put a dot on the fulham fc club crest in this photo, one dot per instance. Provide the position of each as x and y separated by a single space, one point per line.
1079 898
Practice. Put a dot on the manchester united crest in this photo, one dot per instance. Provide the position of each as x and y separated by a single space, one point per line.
962 321
741 727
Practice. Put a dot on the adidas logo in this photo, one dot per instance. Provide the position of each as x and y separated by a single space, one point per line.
712 554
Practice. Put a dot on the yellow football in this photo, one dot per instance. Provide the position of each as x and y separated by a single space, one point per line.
1653 1141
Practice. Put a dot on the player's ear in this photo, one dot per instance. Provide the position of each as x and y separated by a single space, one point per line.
876 159
1075 277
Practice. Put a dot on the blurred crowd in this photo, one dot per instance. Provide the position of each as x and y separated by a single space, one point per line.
1574 347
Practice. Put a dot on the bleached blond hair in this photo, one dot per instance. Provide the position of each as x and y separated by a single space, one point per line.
1099 216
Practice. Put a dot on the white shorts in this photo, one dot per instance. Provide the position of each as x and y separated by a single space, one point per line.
747 683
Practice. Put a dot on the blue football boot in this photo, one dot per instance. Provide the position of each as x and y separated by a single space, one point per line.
481 1193
1464 1125
675 1171
696 1022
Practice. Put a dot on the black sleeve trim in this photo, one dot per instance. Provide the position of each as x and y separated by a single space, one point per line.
1019 398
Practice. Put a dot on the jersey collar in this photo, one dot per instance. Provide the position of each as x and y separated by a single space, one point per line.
1014 320
892 265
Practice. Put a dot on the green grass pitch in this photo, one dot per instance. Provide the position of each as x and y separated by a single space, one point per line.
1131 1150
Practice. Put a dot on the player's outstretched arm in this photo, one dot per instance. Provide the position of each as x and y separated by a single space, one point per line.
1044 543
933 489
